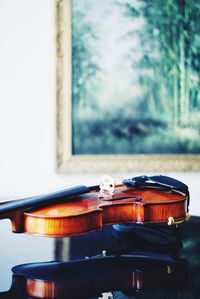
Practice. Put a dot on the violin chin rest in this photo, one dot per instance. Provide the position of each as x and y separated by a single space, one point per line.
154 234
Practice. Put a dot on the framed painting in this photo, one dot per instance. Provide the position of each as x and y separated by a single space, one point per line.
128 85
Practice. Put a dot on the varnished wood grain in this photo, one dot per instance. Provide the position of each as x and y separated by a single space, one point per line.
90 211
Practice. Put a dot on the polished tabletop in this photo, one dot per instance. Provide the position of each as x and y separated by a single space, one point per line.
121 261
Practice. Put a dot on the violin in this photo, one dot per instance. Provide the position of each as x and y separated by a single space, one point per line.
83 278
81 209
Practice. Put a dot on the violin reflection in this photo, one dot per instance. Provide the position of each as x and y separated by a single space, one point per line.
89 277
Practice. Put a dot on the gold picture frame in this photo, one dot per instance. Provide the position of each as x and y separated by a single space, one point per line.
66 162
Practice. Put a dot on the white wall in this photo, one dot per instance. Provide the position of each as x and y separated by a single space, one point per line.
27 104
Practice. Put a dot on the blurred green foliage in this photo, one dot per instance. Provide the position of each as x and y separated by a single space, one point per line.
165 116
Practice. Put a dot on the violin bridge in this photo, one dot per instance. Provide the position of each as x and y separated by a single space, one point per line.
107 184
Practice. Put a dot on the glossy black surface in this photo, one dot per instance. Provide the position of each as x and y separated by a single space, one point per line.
165 262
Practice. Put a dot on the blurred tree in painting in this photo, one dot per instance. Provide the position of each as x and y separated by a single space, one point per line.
84 63
173 28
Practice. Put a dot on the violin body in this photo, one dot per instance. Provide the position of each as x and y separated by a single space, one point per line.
92 210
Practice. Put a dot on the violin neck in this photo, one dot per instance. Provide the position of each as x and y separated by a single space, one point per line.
7 208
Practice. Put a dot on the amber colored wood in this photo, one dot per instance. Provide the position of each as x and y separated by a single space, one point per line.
43 289
90 211
125 279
